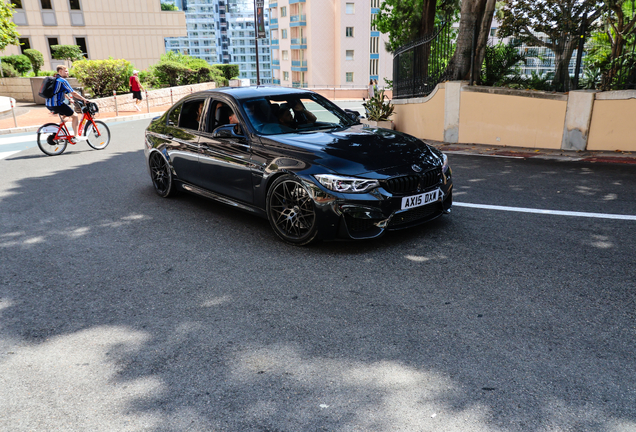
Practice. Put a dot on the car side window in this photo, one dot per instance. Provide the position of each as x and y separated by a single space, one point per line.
173 117
191 114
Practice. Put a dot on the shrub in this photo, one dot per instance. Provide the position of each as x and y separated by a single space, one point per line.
36 58
175 69
20 63
102 77
501 64
229 71
67 52
8 70
377 108
47 73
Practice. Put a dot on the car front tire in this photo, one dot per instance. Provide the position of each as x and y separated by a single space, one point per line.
291 211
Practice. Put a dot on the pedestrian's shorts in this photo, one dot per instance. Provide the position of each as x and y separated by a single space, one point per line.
63 109
137 95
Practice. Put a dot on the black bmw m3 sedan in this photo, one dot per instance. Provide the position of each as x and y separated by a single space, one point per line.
297 159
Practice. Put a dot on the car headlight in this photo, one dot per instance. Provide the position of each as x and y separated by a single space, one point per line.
346 184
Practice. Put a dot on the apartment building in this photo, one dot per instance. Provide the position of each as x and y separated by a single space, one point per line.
222 31
131 30
318 43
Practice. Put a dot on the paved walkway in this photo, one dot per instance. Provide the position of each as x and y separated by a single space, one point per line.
30 117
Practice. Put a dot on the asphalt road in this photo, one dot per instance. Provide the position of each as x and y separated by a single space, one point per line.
122 311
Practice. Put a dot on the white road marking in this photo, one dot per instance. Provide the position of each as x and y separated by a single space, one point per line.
548 212
7 154
17 139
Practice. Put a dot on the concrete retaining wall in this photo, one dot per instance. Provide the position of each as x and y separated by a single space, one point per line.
17 88
580 120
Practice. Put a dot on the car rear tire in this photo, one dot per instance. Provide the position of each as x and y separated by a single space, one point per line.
291 212
161 175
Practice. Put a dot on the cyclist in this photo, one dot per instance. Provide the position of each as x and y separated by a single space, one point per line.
56 103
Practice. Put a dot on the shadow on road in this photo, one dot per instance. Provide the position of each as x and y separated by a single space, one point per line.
124 311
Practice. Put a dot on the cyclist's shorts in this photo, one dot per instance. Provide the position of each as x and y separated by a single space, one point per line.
63 109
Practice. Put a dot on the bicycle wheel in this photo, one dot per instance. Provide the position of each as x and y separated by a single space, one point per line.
98 139
47 142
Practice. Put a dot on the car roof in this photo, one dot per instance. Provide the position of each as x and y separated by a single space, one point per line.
241 93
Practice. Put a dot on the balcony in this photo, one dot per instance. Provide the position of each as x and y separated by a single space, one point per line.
298 43
299 65
276 81
275 43
298 84
276 62
298 20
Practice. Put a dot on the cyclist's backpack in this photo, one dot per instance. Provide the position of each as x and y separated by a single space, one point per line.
47 91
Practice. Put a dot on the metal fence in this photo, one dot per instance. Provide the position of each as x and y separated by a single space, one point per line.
419 66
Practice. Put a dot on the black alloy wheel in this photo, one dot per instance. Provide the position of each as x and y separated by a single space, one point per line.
161 175
290 210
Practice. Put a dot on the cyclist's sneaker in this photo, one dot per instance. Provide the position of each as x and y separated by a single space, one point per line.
80 138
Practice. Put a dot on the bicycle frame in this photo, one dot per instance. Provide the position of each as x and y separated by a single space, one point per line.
63 133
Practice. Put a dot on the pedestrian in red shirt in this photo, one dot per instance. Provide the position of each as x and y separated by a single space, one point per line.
136 88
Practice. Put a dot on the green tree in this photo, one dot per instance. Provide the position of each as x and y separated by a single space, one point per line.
36 58
619 20
560 20
407 20
69 53
8 33
168 7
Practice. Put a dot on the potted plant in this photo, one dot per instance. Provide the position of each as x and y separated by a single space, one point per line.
379 111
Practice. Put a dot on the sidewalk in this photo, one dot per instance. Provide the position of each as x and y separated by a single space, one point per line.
31 116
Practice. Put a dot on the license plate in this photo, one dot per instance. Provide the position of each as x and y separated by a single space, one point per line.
421 199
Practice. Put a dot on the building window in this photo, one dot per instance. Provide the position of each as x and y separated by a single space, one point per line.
375 44
285 55
285 76
81 42
373 67
375 3
46 4
349 77
283 11
349 31
17 4
283 34
74 4
349 54
25 43
373 26
350 8
52 41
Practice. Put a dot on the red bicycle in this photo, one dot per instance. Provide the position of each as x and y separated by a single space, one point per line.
53 138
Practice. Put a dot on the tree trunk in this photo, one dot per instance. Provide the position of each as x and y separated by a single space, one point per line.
428 18
562 57
475 15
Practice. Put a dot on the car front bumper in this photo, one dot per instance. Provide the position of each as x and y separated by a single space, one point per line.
369 215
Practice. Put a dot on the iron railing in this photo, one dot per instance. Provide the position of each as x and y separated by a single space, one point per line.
420 65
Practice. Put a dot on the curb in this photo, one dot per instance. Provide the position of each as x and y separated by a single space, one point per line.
105 120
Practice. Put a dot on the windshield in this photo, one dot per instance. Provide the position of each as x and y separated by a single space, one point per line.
275 115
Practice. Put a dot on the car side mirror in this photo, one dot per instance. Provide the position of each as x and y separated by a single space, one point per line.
228 131
353 115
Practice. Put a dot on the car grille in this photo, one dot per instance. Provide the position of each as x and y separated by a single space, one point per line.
419 213
409 184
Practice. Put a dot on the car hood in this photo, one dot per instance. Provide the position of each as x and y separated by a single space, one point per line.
359 150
